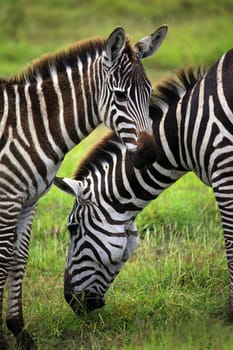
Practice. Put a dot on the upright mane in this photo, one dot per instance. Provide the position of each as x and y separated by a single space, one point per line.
65 57
170 90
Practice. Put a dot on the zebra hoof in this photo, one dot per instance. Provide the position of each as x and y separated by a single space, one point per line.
230 313
25 341
3 344
23 338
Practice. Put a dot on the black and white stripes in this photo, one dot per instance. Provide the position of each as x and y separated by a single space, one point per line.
193 131
44 113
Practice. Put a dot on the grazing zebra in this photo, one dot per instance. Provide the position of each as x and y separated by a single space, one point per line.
193 130
44 113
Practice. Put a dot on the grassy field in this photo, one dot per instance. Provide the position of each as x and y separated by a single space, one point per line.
173 292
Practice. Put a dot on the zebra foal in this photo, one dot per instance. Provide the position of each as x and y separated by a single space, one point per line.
193 131
44 113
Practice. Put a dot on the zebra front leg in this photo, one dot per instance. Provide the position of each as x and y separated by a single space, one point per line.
3 344
225 204
14 317
229 253
7 238
230 307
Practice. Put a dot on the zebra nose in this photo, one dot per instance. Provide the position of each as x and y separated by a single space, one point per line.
145 153
84 302
93 301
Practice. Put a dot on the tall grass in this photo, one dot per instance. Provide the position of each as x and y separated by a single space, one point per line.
173 292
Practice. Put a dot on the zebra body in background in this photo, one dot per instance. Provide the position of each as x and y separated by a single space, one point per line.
193 131
44 113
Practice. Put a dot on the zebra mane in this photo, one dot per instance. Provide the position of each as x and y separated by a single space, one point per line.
172 89
169 91
62 58
97 154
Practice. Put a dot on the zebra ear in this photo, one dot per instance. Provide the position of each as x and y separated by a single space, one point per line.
150 44
115 45
69 186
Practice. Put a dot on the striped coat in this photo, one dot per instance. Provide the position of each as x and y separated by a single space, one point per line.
44 113
193 131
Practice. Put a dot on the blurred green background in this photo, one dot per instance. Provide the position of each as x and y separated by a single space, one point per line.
178 273
199 31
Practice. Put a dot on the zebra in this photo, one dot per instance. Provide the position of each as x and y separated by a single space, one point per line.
45 112
193 130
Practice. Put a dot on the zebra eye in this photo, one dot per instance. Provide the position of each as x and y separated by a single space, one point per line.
121 95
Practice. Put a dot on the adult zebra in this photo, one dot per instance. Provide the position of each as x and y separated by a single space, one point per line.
44 113
193 130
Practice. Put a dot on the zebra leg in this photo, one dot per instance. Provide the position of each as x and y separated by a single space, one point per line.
7 239
229 253
14 316
224 197
3 276
228 236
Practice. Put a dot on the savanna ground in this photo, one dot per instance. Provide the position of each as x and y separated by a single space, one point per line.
173 292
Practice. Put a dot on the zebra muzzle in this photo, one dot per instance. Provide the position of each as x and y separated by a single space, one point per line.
84 302
81 302
145 154
93 301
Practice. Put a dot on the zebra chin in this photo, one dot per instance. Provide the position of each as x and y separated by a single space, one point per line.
84 302
145 153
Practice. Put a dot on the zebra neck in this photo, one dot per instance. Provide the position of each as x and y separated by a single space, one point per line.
69 101
51 115
166 138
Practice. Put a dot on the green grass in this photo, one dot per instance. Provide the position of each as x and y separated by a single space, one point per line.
173 292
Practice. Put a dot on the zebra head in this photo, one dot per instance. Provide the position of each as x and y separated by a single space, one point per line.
124 96
97 249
